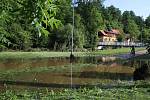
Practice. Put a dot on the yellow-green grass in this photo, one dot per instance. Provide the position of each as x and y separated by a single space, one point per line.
28 55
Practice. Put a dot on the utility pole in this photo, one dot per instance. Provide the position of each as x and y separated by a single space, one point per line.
72 44
72 34
141 34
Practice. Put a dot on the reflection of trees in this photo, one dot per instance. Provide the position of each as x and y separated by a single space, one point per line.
142 73
135 63
102 75
85 60
131 63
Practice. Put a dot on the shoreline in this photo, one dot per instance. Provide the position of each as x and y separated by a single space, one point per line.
46 54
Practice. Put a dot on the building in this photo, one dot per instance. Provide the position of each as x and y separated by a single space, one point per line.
108 36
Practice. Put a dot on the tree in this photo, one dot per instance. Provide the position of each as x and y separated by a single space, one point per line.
21 18
130 20
132 29
92 19
48 23
147 21
140 22
61 38
4 35
64 11
79 33
125 17
145 35
112 14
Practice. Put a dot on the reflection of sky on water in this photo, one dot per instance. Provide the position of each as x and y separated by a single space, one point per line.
94 70
107 59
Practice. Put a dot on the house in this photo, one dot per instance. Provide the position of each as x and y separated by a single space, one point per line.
108 36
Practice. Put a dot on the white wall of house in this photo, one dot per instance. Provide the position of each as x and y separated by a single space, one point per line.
107 39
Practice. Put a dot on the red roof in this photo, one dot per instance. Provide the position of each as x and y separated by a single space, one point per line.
105 33
115 31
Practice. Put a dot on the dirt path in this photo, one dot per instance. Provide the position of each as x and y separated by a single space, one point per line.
128 55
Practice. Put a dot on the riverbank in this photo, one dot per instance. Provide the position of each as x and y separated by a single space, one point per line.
131 56
32 55
96 93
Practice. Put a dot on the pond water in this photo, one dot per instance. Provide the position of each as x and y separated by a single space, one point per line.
60 73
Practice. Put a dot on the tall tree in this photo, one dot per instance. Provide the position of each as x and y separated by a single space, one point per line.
113 14
21 18
92 19
147 21
132 29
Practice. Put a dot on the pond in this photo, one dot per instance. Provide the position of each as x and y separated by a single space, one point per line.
60 73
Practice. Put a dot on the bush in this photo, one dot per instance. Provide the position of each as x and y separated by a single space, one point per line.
148 46
36 49
3 48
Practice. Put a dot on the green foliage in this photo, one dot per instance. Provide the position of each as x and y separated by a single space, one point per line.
64 13
79 33
64 37
125 17
4 35
112 14
132 29
26 24
145 35
79 94
20 20
92 20
140 22
147 22
133 24
120 37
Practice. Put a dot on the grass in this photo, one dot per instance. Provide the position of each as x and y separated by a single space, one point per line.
79 94
30 55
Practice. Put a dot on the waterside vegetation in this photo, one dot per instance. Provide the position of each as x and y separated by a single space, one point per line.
123 93
28 55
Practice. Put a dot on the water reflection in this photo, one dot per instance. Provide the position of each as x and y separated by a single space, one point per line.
143 72
103 75
108 59
20 63
83 71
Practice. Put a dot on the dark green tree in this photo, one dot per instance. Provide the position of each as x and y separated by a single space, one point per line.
132 29
147 22
92 19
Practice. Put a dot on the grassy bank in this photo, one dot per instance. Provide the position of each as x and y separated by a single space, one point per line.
79 94
28 55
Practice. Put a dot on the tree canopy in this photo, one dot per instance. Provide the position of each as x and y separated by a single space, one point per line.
29 24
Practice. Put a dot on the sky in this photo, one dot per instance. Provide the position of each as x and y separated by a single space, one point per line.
140 7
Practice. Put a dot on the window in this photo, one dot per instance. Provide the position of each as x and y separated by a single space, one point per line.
105 39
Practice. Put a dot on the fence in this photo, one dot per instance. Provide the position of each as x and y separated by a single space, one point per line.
128 44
